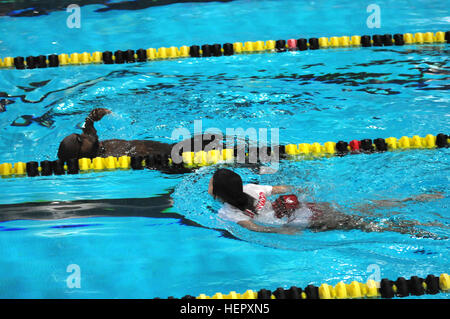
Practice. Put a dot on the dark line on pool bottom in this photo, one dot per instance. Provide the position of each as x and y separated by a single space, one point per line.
32 8
151 207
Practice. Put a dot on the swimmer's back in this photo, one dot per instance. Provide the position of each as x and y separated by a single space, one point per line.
116 147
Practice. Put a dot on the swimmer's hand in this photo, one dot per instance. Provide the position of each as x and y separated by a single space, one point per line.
281 189
284 189
97 114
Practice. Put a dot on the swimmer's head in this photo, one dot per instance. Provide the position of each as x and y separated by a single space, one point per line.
228 187
225 183
77 146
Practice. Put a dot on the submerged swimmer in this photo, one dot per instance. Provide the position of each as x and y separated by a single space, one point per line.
87 144
249 207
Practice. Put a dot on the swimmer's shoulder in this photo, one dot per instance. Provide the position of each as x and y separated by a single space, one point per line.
257 188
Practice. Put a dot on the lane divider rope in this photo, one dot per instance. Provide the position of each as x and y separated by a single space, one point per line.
415 286
227 49
192 160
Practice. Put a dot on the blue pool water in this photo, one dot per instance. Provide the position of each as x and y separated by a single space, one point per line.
175 244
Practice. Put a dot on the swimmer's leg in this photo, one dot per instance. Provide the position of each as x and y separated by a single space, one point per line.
333 219
389 203
402 227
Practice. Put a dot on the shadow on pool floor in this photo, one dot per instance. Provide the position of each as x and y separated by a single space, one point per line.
152 207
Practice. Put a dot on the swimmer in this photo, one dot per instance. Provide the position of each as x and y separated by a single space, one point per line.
87 144
248 206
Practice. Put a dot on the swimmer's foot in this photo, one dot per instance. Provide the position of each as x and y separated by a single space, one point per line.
427 197
400 203
387 203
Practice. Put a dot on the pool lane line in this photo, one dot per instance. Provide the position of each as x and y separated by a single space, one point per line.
317 150
193 160
415 286
227 49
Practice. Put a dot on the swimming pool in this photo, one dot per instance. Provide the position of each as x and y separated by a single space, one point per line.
166 249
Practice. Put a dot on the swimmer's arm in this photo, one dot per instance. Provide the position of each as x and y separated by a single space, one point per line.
281 189
95 116
266 229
